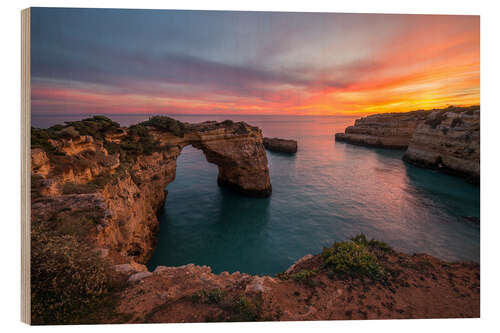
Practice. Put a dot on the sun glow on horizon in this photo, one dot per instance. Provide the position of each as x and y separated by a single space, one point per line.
299 64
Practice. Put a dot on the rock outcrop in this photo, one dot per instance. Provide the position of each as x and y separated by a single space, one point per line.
388 130
417 286
98 167
96 189
449 142
443 139
281 145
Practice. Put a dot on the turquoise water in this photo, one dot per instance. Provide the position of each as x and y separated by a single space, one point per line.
327 192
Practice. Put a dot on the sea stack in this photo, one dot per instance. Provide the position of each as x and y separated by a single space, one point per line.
280 145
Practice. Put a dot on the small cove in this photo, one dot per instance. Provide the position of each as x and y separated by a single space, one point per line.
327 192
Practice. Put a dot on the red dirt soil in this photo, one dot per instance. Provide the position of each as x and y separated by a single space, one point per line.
418 286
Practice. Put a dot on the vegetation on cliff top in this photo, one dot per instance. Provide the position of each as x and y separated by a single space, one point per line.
166 124
96 127
70 283
355 258
236 307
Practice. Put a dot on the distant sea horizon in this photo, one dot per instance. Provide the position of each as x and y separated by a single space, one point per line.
127 119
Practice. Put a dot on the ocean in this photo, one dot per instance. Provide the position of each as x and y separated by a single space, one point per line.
328 191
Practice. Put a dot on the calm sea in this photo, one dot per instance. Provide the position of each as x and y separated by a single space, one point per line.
327 192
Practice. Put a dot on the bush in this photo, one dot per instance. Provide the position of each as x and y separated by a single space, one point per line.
166 124
68 132
96 126
245 309
372 244
304 276
352 258
138 141
40 139
214 296
70 284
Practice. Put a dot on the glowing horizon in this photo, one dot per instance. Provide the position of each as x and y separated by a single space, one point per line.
107 61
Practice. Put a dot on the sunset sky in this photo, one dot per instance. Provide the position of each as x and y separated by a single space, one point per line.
94 61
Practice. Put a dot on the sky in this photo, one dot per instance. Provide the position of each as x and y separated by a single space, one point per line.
108 61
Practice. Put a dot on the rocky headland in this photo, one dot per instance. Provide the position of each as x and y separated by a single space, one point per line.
280 145
388 130
96 188
443 139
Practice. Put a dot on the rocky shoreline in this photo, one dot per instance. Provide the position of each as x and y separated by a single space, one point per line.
96 190
447 139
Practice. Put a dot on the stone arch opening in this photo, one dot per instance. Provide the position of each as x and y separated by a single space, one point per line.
242 164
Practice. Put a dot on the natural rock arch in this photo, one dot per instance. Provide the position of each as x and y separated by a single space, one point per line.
236 149
134 190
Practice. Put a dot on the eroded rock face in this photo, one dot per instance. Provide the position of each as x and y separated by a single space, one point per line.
124 172
425 287
115 184
281 145
388 130
443 139
448 141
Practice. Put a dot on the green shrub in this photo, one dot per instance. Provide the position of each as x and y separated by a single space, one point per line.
68 132
70 284
97 126
372 244
353 259
40 139
215 296
138 141
304 275
245 309
166 124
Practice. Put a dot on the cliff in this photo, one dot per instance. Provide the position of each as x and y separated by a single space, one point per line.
355 279
96 189
389 130
448 141
443 139
124 171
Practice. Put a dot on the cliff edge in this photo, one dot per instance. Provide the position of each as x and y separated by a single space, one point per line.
446 139
96 189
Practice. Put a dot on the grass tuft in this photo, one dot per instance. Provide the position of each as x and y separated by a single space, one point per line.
354 258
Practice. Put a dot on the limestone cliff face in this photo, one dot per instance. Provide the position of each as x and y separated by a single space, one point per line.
97 182
121 173
443 139
389 130
448 141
